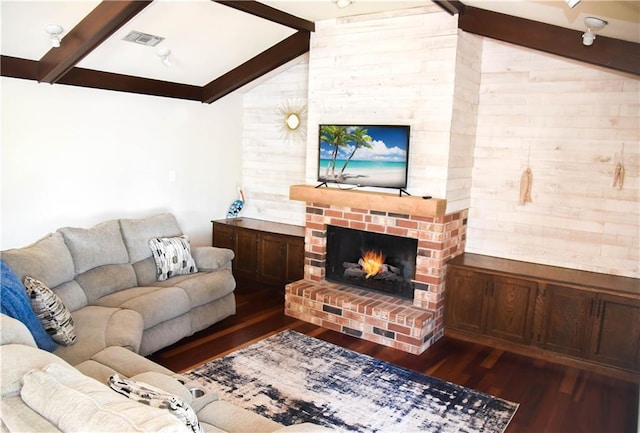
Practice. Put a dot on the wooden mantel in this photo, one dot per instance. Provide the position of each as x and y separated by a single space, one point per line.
371 200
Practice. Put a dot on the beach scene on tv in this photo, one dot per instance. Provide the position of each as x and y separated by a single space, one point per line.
364 155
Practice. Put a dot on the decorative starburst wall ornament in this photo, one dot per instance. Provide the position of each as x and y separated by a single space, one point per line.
292 121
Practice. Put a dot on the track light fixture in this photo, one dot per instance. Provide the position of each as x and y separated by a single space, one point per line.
592 24
342 3
572 3
164 54
54 31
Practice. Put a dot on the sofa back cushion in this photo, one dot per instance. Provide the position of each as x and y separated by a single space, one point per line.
47 260
137 232
97 246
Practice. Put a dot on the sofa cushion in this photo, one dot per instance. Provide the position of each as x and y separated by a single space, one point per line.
105 280
100 327
172 257
155 397
48 260
203 287
96 246
51 312
155 304
137 232
74 402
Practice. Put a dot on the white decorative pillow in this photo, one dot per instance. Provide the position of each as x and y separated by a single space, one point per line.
172 257
51 312
155 397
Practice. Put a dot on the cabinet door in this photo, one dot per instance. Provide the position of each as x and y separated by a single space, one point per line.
223 236
465 299
295 260
272 262
246 261
615 336
566 319
511 302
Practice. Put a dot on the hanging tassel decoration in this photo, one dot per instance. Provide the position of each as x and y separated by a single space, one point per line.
618 176
526 182
618 173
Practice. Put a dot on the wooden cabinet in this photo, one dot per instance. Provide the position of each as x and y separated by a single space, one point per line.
265 252
579 318
497 306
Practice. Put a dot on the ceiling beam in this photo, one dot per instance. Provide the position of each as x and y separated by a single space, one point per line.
270 59
267 12
452 7
608 52
96 27
126 83
16 67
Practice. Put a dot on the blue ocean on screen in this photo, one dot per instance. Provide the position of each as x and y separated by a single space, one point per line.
379 173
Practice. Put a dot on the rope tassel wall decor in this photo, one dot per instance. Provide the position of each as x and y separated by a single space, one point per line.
526 182
618 173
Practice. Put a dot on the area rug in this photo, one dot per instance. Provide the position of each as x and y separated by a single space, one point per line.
293 378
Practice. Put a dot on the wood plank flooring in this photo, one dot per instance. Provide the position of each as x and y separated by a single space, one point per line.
553 398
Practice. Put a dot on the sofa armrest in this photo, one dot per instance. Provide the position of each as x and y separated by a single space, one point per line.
212 258
13 331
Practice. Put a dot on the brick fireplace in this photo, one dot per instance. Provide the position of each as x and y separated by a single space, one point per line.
408 325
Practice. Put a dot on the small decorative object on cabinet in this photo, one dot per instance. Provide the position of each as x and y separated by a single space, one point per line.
578 318
236 206
265 252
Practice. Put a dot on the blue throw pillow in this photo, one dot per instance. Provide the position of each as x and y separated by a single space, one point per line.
15 303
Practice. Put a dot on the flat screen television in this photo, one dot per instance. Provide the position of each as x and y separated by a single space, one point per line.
364 155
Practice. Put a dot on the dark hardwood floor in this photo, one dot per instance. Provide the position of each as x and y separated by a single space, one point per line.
553 398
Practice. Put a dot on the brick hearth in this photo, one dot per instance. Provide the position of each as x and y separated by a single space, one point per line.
407 325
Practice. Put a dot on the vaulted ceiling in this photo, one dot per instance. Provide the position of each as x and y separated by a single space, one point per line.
219 46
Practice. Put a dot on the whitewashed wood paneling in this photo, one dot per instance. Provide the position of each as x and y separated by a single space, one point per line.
569 122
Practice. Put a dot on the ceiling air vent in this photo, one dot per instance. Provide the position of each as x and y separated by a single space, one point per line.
143 38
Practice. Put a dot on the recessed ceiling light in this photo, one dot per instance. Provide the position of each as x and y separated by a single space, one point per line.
342 3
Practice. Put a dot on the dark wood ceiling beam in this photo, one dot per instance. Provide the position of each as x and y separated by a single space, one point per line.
16 67
270 59
452 7
96 27
267 12
126 83
608 52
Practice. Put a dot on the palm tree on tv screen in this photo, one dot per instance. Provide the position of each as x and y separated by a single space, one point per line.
359 138
336 137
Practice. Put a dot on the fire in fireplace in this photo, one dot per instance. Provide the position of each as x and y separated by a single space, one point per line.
373 261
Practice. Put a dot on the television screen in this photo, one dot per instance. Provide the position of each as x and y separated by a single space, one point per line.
364 155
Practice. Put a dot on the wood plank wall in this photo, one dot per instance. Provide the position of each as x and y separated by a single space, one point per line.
569 122
417 69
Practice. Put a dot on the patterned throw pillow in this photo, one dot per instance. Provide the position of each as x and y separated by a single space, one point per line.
172 257
51 312
155 397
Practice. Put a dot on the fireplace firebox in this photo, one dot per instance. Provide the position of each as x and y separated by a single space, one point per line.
373 261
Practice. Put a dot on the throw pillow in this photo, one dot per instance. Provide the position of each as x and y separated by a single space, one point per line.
155 397
172 257
51 312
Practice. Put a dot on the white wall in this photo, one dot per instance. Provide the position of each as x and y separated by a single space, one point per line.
569 121
75 157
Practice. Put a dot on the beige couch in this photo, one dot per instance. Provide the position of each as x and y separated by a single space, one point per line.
106 277
43 393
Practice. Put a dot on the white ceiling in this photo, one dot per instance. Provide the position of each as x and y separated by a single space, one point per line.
207 39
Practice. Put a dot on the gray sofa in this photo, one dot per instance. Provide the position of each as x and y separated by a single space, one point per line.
65 400
106 277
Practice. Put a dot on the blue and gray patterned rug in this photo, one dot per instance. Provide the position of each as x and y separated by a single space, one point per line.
292 378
